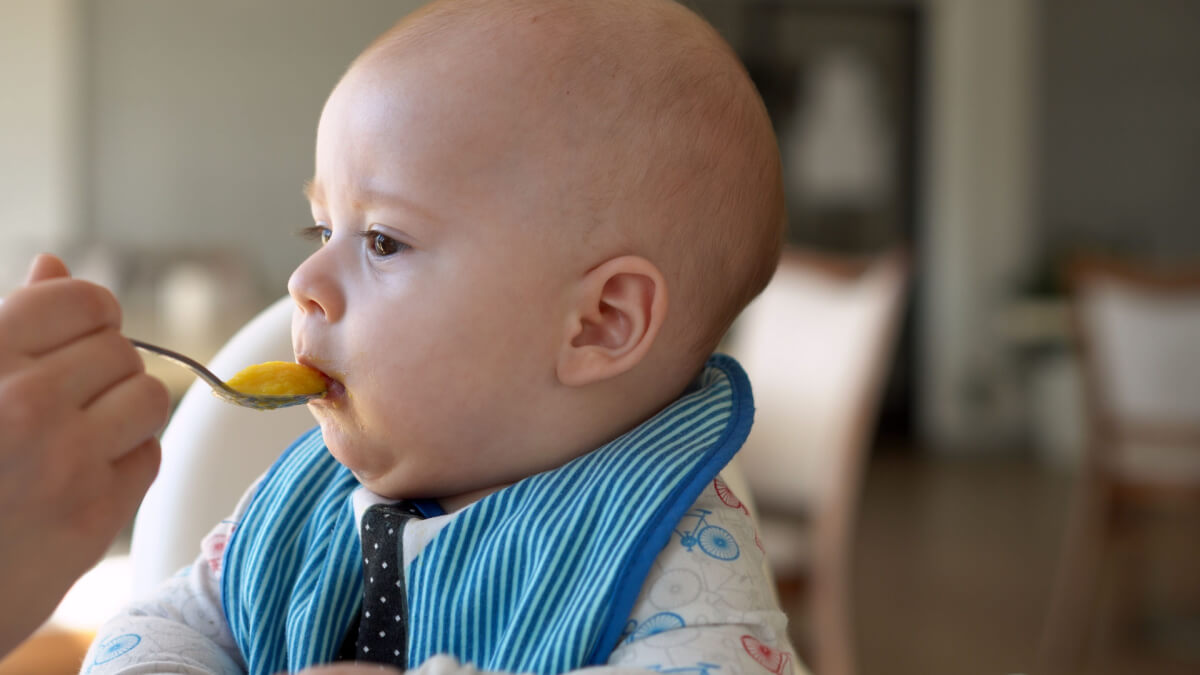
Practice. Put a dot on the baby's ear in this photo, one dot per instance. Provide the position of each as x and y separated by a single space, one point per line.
616 317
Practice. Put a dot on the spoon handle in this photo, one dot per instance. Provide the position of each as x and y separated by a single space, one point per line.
189 363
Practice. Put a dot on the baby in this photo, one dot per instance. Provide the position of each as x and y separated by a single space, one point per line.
536 219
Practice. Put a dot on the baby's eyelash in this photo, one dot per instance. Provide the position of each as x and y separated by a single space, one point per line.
312 232
383 245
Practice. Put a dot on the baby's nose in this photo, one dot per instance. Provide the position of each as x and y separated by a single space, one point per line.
316 293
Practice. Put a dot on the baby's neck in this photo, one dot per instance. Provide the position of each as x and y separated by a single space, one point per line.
452 504
614 405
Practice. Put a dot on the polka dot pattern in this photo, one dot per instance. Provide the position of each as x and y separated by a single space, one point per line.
383 626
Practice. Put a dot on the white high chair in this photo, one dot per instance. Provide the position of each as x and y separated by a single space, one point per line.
212 451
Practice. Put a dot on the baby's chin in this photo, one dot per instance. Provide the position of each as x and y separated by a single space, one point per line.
385 478
349 452
381 483
393 479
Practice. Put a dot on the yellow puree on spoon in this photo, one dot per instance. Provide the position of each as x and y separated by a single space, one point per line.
278 378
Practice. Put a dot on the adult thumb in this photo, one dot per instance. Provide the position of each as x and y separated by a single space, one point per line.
46 266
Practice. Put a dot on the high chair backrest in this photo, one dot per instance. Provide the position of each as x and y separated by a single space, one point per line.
212 451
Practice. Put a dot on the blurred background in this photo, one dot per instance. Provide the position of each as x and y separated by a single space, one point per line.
160 147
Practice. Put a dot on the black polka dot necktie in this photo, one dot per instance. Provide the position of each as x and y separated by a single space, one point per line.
383 625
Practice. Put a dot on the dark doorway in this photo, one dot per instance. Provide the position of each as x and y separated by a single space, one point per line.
840 82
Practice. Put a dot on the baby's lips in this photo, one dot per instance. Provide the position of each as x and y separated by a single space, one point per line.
333 385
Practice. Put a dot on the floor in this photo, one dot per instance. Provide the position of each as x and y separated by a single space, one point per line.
954 566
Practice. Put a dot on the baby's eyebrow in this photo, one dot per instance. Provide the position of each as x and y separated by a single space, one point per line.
313 192
316 195
384 197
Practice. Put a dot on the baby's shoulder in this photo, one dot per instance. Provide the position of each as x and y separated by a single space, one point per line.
708 598
719 528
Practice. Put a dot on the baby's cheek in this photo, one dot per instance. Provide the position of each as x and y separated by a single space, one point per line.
343 446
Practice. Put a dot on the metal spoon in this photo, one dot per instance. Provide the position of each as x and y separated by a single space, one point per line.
222 390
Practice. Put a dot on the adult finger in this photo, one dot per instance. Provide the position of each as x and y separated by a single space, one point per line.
132 474
127 414
89 366
107 503
46 266
37 319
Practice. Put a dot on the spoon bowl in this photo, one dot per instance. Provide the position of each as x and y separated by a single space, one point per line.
222 390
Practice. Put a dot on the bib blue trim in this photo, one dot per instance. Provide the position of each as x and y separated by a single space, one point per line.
656 536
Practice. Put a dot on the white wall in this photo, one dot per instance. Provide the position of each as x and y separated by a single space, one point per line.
166 127
40 125
203 118
977 219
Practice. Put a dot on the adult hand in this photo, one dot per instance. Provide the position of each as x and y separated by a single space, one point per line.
78 447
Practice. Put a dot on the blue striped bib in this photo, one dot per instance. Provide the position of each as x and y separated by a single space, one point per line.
538 577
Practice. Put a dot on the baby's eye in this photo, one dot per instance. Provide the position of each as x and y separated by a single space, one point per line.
318 233
383 245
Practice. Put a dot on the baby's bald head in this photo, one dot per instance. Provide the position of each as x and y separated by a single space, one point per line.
643 127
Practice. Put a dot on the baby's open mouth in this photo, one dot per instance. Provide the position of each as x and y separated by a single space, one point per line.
335 390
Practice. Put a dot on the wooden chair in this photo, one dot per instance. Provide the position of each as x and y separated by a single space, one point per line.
817 346
1138 333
